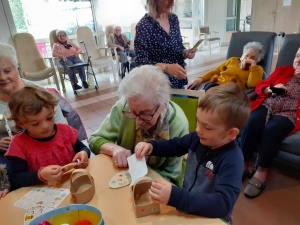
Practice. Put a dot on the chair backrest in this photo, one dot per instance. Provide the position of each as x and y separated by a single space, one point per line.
28 54
133 31
188 103
204 29
52 37
289 47
85 34
240 39
109 29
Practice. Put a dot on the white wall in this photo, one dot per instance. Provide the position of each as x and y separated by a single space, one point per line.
215 16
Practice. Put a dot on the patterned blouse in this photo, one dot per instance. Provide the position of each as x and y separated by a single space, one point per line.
285 105
153 45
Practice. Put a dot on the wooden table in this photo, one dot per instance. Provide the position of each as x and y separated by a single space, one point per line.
115 204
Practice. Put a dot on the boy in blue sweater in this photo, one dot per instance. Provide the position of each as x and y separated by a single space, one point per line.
215 163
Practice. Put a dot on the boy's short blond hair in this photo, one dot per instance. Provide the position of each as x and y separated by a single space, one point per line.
29 101
229 102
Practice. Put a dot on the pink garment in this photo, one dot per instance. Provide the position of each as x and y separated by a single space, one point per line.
58 151
74 50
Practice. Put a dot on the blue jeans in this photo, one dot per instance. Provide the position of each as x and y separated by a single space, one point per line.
266 139
70 61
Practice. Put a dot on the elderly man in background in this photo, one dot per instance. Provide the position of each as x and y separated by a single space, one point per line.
124 47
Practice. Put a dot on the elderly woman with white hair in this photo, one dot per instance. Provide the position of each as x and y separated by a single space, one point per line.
158 42
10 82
144 113
243 71
68 54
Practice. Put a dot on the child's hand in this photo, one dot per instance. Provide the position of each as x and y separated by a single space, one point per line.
83 158
3 193
142 149
51 173
160 192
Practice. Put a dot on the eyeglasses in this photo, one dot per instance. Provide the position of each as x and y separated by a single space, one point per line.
144 117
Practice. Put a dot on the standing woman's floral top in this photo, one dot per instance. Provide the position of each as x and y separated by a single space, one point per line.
154 45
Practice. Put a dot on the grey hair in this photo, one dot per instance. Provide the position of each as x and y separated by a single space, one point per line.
116 27
8 52
257 47
146 82
60 31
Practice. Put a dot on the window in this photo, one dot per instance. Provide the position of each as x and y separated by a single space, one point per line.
39 17
231 15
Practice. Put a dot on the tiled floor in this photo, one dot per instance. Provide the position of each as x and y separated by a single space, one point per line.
278 204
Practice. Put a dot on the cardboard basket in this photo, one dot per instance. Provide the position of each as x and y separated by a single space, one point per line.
142 203
82 186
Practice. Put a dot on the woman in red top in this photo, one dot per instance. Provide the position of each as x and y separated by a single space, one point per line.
274 116
68 53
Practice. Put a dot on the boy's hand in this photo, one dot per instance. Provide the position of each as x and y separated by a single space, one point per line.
83 159
51 173
142 149
160 192
4 143
3 193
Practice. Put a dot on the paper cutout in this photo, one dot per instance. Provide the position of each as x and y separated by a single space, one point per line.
120 179
137 168
34 212
44 196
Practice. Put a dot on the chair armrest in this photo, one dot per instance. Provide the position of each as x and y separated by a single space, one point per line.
214 32
203 34
251 94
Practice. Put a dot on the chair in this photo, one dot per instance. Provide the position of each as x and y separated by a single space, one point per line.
109 29
97 60
188 103
53 39
31 62
289 151
205 34
240 39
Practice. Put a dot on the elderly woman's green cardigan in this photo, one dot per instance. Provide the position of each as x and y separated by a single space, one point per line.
118 129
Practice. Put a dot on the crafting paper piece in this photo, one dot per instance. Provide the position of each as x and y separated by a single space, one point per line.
47 197
34 212
137 168
120 180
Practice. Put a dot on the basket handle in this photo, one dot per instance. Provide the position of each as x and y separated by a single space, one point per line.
141 180
81 171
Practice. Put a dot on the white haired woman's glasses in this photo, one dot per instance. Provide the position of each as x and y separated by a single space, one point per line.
144 117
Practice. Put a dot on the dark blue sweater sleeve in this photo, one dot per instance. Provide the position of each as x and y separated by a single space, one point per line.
18 174
173 147
217 204
79 146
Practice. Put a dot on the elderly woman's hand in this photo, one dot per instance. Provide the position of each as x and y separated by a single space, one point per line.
195 84
120 156
244 62
176 71
142 149
4 143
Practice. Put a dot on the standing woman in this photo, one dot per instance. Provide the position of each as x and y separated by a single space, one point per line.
158 42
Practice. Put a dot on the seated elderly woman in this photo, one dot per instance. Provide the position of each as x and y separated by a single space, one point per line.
10 82
273 117
144 113
243 71
68 54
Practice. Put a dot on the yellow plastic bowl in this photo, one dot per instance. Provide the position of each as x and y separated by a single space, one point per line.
71 214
